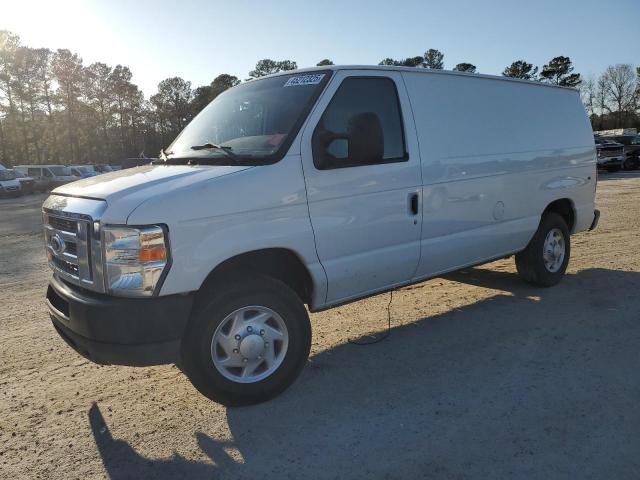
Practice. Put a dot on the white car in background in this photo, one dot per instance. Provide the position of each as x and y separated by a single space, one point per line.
9 184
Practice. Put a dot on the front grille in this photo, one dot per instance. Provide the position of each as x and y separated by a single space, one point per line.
66 267
63 224
71 248
610 153
72 240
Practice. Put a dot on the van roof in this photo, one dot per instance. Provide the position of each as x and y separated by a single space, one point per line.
427 71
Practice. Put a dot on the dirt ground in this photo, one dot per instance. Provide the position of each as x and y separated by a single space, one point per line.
483 377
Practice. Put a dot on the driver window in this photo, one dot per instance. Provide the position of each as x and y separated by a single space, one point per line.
47 173
357 96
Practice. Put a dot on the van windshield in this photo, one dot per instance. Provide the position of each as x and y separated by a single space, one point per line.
255 121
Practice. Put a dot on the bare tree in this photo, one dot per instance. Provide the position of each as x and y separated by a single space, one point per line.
620 89
67 70
589 94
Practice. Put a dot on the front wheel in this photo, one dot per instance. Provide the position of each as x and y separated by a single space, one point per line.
247 340
544 261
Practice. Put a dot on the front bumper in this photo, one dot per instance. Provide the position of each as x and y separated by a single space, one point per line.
119 331
610 161
10 191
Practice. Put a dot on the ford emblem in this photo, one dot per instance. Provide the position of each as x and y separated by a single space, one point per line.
57 244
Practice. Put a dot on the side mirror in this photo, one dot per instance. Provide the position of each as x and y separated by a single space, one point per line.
362 144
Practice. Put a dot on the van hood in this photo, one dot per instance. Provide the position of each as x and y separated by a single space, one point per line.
143 182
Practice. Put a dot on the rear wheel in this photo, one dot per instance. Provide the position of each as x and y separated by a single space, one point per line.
629 163
247 341
544 261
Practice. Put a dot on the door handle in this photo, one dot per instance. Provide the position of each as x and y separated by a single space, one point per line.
413 203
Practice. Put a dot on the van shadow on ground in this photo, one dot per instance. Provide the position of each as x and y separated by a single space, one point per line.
529 383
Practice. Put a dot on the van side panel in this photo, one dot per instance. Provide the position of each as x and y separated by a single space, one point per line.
494 155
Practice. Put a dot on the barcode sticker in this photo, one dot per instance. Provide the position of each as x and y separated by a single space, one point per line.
304 80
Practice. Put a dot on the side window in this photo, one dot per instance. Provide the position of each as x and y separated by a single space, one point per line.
362 125
33 172
47 172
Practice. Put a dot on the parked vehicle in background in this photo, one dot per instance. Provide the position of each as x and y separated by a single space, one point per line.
631 150
103 168
630 139
616 132
82 171
610 155
27 184
9 185
47 177
136 162
316 187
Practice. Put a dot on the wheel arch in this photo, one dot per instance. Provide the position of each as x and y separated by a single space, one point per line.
565 208
282 264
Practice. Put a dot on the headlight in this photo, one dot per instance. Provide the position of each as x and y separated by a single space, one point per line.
135 259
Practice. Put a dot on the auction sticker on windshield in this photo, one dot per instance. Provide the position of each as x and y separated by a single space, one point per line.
304 80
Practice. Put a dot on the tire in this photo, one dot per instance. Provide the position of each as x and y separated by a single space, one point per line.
212 314
530 262
629 164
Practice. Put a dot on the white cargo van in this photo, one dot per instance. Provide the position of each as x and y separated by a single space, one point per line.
314 187
47 177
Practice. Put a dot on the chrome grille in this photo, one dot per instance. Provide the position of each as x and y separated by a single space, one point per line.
71 248
64 224
67 267
614 152
68 246
72 239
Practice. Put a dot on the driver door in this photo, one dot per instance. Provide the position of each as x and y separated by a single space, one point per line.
366 216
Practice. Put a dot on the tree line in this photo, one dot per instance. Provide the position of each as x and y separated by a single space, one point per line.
56 109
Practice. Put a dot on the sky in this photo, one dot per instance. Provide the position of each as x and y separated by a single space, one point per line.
199 39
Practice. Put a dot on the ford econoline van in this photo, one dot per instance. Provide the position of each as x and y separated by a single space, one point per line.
313 188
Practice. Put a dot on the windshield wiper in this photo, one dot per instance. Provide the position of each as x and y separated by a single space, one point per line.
227 150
